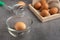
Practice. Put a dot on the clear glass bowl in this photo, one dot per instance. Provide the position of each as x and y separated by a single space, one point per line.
18 9
13 19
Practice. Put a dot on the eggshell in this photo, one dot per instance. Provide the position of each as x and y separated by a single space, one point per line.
53 4
44 13
59 6
53 10
37 5
50 1
20 26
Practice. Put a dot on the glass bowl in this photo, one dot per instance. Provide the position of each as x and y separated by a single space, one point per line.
13 19
18 9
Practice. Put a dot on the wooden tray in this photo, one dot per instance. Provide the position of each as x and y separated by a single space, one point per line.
43 19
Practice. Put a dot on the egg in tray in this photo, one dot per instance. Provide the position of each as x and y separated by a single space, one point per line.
45 10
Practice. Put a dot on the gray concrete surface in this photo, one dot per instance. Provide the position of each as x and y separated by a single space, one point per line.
40 31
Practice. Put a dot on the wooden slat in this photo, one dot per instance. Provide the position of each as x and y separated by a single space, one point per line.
55 16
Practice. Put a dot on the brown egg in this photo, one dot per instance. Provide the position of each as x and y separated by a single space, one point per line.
21 3
20 26
45 6
37 5
53 10
43 2
44 13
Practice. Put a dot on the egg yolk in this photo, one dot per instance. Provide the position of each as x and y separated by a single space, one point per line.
21 3
20 26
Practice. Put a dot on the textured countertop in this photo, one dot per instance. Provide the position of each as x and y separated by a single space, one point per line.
40 31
